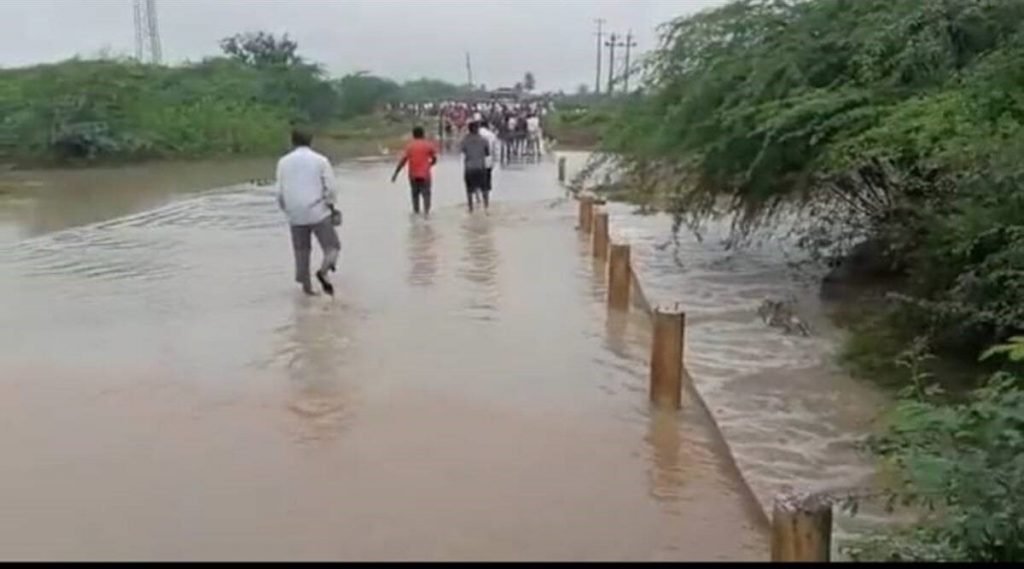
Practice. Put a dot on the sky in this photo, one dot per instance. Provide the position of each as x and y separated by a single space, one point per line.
402 39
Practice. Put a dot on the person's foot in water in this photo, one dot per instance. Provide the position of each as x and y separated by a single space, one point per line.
322 277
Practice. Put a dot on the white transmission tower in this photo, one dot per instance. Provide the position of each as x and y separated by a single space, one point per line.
147 31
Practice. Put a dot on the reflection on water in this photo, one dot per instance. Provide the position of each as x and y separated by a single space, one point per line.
667 475
422 247
315 346
479 265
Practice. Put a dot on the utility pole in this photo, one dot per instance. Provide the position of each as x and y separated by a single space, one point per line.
612 43
630 44
147 31
600 36
139 41
469 70
156 51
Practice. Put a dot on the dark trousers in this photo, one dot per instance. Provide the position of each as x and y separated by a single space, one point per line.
420 188
302 245
477 184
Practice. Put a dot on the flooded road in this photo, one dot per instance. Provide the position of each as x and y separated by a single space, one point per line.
167 393
790 415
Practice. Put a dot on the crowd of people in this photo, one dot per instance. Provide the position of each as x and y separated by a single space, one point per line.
517 125
487 133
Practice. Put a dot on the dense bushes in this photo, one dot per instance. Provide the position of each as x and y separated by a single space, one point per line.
242 103
962 464
895 121
114 109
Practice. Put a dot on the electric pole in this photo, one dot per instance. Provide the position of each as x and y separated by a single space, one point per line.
600 37
630 44
147 31
139 36
469 70
156 51
612 43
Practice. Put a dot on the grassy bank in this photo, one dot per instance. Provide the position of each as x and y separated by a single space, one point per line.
579 128
244 103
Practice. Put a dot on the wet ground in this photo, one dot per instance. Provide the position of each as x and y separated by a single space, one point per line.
791 416
167 393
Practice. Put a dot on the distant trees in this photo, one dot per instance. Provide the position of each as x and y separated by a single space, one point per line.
261 49
529 81
424 89
361 93
238 103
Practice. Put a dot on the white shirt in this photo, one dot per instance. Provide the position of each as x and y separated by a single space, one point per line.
305 186
533 124
492 142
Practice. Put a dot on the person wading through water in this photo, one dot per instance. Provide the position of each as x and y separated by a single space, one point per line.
306 193
475 150
494 149
420 155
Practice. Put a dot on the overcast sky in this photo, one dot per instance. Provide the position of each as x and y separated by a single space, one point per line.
398 38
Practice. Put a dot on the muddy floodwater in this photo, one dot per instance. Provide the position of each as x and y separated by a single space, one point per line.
167 393
792 417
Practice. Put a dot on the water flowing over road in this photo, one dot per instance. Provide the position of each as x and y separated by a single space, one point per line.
167 392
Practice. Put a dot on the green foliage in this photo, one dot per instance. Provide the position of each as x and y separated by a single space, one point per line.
965 462
427 90
529 81
362 93
1014 350
261 49
243 103
122 110
896 121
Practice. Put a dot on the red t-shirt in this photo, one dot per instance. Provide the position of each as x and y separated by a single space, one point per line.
420 154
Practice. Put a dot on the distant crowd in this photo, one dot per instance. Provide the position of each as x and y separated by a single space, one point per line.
518 125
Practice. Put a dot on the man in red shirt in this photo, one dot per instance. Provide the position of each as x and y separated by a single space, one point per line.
420 155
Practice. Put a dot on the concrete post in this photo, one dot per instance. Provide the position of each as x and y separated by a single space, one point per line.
619 277
561 169
601 235
667 358
586 213
801 528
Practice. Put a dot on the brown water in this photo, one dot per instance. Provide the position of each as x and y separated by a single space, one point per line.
166 393
790 415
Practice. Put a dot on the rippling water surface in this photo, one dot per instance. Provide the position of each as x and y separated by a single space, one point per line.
791 417
167 393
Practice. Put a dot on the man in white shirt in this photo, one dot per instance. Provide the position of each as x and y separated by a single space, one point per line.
534 132
306 193
492 143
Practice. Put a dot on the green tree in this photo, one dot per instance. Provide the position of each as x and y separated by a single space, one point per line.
362 93
529 82
261 49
